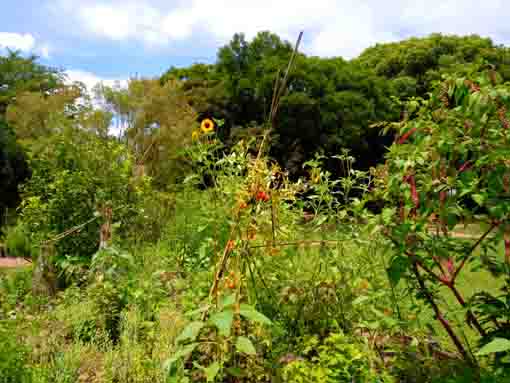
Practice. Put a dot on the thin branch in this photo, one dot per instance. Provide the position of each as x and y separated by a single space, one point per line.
298 243
446 325
471 250
277 93
471 316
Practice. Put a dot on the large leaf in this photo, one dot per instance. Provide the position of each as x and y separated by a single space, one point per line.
245 345
185 351
250 313
497 345
210 372
190 332
228 300
397 269
223 321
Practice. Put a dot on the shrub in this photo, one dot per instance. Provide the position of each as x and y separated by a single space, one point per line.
17 241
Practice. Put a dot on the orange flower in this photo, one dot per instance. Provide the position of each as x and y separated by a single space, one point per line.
207 126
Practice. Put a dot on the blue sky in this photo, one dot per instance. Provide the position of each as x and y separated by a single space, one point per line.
115 39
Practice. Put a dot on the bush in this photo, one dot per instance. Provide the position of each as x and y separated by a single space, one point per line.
74 179
17 241
15 288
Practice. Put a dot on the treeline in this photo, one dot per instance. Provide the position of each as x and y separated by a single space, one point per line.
331 103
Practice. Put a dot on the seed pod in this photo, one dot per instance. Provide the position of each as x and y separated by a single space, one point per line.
405 136
507 246
443 95
502 117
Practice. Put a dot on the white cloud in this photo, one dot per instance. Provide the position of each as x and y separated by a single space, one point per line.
332 27
90 79
16 41
24 42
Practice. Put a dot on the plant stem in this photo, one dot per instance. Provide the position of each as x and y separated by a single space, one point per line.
440 317
471 250
471 317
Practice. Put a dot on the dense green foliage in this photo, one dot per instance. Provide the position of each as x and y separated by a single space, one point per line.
331 102
202 243
17 75
455 147
74 178
414 65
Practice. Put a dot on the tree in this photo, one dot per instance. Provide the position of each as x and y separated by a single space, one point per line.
425 59
18 75
158 125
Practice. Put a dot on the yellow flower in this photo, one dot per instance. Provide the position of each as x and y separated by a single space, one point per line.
207 126
195 135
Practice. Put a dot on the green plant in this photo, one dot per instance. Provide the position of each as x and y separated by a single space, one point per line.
15 289
75 177
220 341
13 357
17 241
449 149
337 359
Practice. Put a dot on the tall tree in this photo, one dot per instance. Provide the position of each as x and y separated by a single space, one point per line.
18 75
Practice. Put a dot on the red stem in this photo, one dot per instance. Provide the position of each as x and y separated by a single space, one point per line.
404 137
440 317
471 250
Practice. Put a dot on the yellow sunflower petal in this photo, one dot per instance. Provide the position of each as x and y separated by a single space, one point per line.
207 126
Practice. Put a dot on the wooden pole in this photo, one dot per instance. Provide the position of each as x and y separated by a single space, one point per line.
44 281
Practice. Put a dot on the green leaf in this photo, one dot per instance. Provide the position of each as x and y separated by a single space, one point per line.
190 332
397 268
479 199
210 372
223 321
388 215
497 345
359 300
229 300
319 221
245 345
235 372
250 313
185 351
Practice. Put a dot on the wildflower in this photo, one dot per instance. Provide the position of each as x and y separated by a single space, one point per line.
195 135
243 205
207 126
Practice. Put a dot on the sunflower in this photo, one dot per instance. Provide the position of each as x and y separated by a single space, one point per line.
207 126
195 135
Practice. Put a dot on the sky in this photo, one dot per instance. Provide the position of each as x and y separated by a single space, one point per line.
109 40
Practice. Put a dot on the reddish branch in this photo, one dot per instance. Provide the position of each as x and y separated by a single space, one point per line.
472 249
466 166
406 136
446 325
